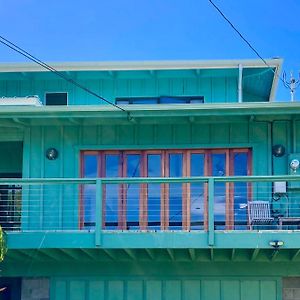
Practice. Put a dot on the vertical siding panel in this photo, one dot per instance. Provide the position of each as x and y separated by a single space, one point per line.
153 290
164 87
177 86
200 133
126 134
182 133
39 88
35 196
115 290
122 88
259 136
206 89
52 139
280 136
2 88
210 289
60 291
218 90
145 134
191 290
231 89
12 88
35 152
134 290
297 136
230 290
96 290
136 87
172 290
26 88
79 96
190 87
51 199
220 134
109 135
268 290
164 134
71 164
239 133
150 86
250 290
77 290
89 135
108 90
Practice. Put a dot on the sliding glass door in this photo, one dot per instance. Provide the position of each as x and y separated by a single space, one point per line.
166 206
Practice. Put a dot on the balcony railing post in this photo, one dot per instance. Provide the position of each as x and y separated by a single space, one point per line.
98 228
211 220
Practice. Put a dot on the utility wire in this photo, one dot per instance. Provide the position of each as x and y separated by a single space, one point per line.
245 40
26 54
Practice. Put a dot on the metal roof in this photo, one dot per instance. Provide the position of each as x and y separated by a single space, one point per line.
141 65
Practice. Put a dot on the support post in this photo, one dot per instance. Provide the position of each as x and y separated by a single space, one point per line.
240 84
211 220
98 228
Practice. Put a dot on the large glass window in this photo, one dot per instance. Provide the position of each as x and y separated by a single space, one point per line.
162 206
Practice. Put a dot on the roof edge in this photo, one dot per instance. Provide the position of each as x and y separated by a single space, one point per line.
142 65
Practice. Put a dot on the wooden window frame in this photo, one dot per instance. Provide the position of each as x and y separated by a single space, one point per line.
164 194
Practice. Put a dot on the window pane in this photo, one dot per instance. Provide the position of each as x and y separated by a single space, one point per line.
197 192
90 166
111 191
132 191
175 191
240 191
154 191
89 190
219 169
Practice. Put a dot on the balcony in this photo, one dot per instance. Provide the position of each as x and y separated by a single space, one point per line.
186 212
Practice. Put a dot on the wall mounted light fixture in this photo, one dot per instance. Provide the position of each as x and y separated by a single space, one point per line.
51 153
278 150
276 244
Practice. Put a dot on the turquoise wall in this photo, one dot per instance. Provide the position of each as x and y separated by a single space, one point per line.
165 289
221 88
11 155
62 203
117 280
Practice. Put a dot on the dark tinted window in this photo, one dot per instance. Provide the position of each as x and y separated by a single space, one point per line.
161 100
56 98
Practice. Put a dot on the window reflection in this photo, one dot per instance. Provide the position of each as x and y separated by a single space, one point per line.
132 191
197 192
240 191
219 169
111 191
89 191
154 191
175 191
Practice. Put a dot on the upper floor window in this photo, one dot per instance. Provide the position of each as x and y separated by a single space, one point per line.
56 98
160 100
165 206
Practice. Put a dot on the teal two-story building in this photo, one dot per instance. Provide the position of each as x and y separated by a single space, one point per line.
172 180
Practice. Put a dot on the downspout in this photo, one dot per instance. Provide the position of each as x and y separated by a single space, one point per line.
240 84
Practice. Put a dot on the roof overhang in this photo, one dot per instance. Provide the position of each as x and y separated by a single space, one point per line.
141 65
139 114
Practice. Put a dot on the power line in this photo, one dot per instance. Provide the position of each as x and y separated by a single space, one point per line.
244 39
26 54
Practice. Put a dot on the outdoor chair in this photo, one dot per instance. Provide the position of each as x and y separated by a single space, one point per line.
259 213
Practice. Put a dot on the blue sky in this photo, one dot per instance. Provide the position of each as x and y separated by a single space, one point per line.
96 30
